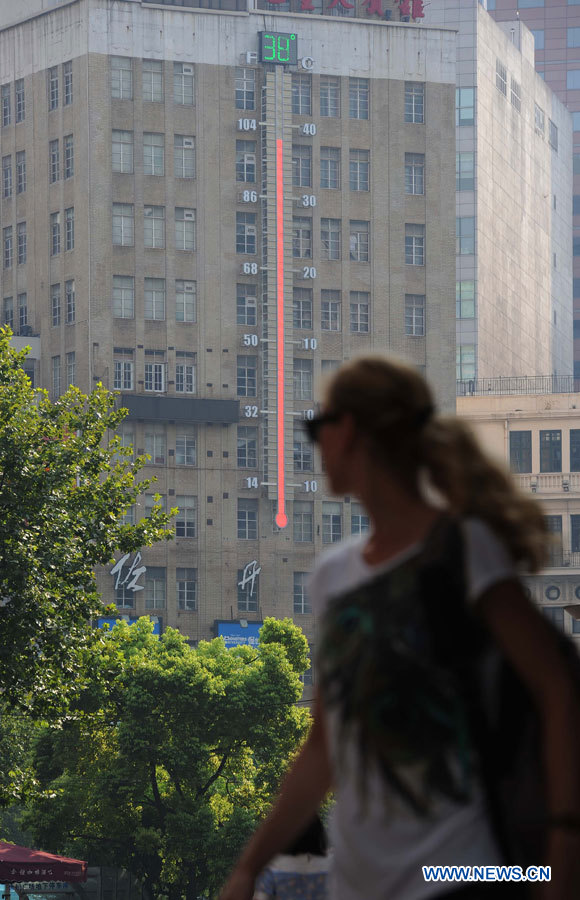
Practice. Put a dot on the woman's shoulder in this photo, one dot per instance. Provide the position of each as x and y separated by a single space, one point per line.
335 568
488 560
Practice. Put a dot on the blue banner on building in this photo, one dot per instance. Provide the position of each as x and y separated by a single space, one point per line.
234 633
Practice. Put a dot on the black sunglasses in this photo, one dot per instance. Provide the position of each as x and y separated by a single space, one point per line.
314 425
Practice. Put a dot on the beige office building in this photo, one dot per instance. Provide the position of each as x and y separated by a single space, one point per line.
209 221
538 435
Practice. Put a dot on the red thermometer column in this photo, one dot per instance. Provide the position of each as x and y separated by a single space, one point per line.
281 518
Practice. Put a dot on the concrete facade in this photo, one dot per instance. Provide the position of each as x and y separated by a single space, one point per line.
159 250
538 436
514 184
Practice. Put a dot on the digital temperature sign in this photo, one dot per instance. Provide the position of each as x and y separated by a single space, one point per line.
279 48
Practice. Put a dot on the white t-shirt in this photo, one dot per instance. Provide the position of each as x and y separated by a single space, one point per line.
379 849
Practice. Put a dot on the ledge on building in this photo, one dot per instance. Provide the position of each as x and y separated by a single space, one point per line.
181 409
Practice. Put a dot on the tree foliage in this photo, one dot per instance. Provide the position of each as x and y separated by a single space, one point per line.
172 754
64 485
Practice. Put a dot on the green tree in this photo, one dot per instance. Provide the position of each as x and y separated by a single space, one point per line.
64 485
172 755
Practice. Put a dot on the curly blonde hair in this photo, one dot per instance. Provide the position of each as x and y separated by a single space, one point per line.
393 407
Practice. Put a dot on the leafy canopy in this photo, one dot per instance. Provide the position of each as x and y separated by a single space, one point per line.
64 486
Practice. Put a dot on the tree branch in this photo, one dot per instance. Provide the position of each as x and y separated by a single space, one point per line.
155 788
203 790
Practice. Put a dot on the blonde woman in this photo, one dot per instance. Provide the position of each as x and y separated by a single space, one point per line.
394 726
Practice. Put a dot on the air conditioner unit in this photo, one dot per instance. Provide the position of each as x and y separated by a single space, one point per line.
189 215
189 287
188 142
25 330
187 70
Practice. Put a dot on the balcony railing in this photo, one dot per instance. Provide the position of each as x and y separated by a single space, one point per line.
551 483
518 384
563 559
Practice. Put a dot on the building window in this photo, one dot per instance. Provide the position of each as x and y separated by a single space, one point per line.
8 310
465 235
69 156
414 173
528 4
465 299
152 80
465 106
359 241
123 296
358 98
122 151
124 369
415 315
8 246
154 227
359 311
465 171
153 154
330 311
20 101
301 602
21 243
247 520
301 165
184 229
516 94
123 224
539 119
185 446
22 301
414 102
183 86
246 304
302 237
185 301
302 308
303 451
69 228
54 161
246 161
246 236
329 96
330 238
185 372
359 519
70 367
331 522
184 156
247 447
553 135
414 245
245 88
247 595
302 379
330 167
301 95
154 299
6 176
521 451
465 362
54 234
551 451
70 301
247 376
575 536
126 434
55 304
52 84
56 385
555 546
359 166
21 172
302 521
501 77
6 105
121 78
155 370
186 589
155 587
67 76
125 598
186 520
155 443
575 450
